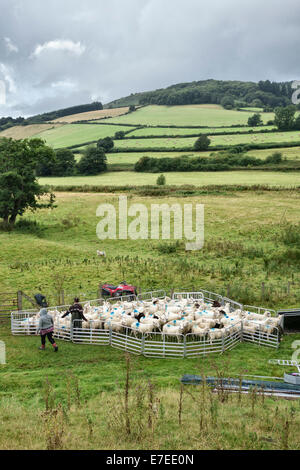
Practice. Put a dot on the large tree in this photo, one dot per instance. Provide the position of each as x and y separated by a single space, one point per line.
93 161
107 144
255 120
285 118
19 188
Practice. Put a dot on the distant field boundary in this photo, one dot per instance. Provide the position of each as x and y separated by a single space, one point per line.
211 134
174 190
269 145
248 147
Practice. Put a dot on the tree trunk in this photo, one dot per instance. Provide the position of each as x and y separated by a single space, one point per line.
12 220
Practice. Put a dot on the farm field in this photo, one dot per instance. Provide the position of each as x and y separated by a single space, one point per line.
130 178
25 132
247 242
292 153
153 131
130 159
33 257
76 134
190 115
227 140
93 115
88 383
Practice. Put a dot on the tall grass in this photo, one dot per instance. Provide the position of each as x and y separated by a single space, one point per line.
141 416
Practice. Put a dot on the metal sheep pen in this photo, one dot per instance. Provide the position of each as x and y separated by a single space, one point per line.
154 344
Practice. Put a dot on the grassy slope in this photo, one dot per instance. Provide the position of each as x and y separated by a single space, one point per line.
176 132
76 134
91 115
96 412
177 142
192 115
25 132
242 231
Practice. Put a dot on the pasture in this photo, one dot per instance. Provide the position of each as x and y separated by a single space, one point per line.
77 134
171 131
130 178
81 391
93 115
224 140
247 241
251 254
190 115
25 132
243 248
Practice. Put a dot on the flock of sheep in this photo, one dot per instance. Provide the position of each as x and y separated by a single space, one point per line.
172 318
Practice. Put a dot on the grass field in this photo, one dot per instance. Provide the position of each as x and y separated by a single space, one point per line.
80 392
227 140
74 399
25 132
93 115
76 134
272 178
191 115
69 232
128 160
250 237
171 131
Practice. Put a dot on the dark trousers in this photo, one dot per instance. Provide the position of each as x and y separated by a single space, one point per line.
50 338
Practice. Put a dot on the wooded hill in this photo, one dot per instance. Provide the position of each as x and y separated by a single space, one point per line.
264 94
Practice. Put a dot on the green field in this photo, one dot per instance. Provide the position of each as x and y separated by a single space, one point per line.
131 158
226 140
76 134
247 241
130 178
47 401
192 115
171 131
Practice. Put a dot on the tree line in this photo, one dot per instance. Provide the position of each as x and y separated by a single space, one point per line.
230 94
222 161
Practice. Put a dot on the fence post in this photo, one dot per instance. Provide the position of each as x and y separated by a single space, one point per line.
143 345
20 303
184 346
263 290
72 331
242 331
228 292
223 344
100 292
110 335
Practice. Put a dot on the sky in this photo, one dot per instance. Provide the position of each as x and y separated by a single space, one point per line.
67 52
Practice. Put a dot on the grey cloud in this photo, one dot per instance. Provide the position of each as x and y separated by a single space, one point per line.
111 49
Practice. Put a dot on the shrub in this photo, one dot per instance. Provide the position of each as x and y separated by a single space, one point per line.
161 180
276 157
202 143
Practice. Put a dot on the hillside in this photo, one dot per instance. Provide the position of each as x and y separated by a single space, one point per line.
227 93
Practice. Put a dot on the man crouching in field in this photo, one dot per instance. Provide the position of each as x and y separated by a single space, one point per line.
46 328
